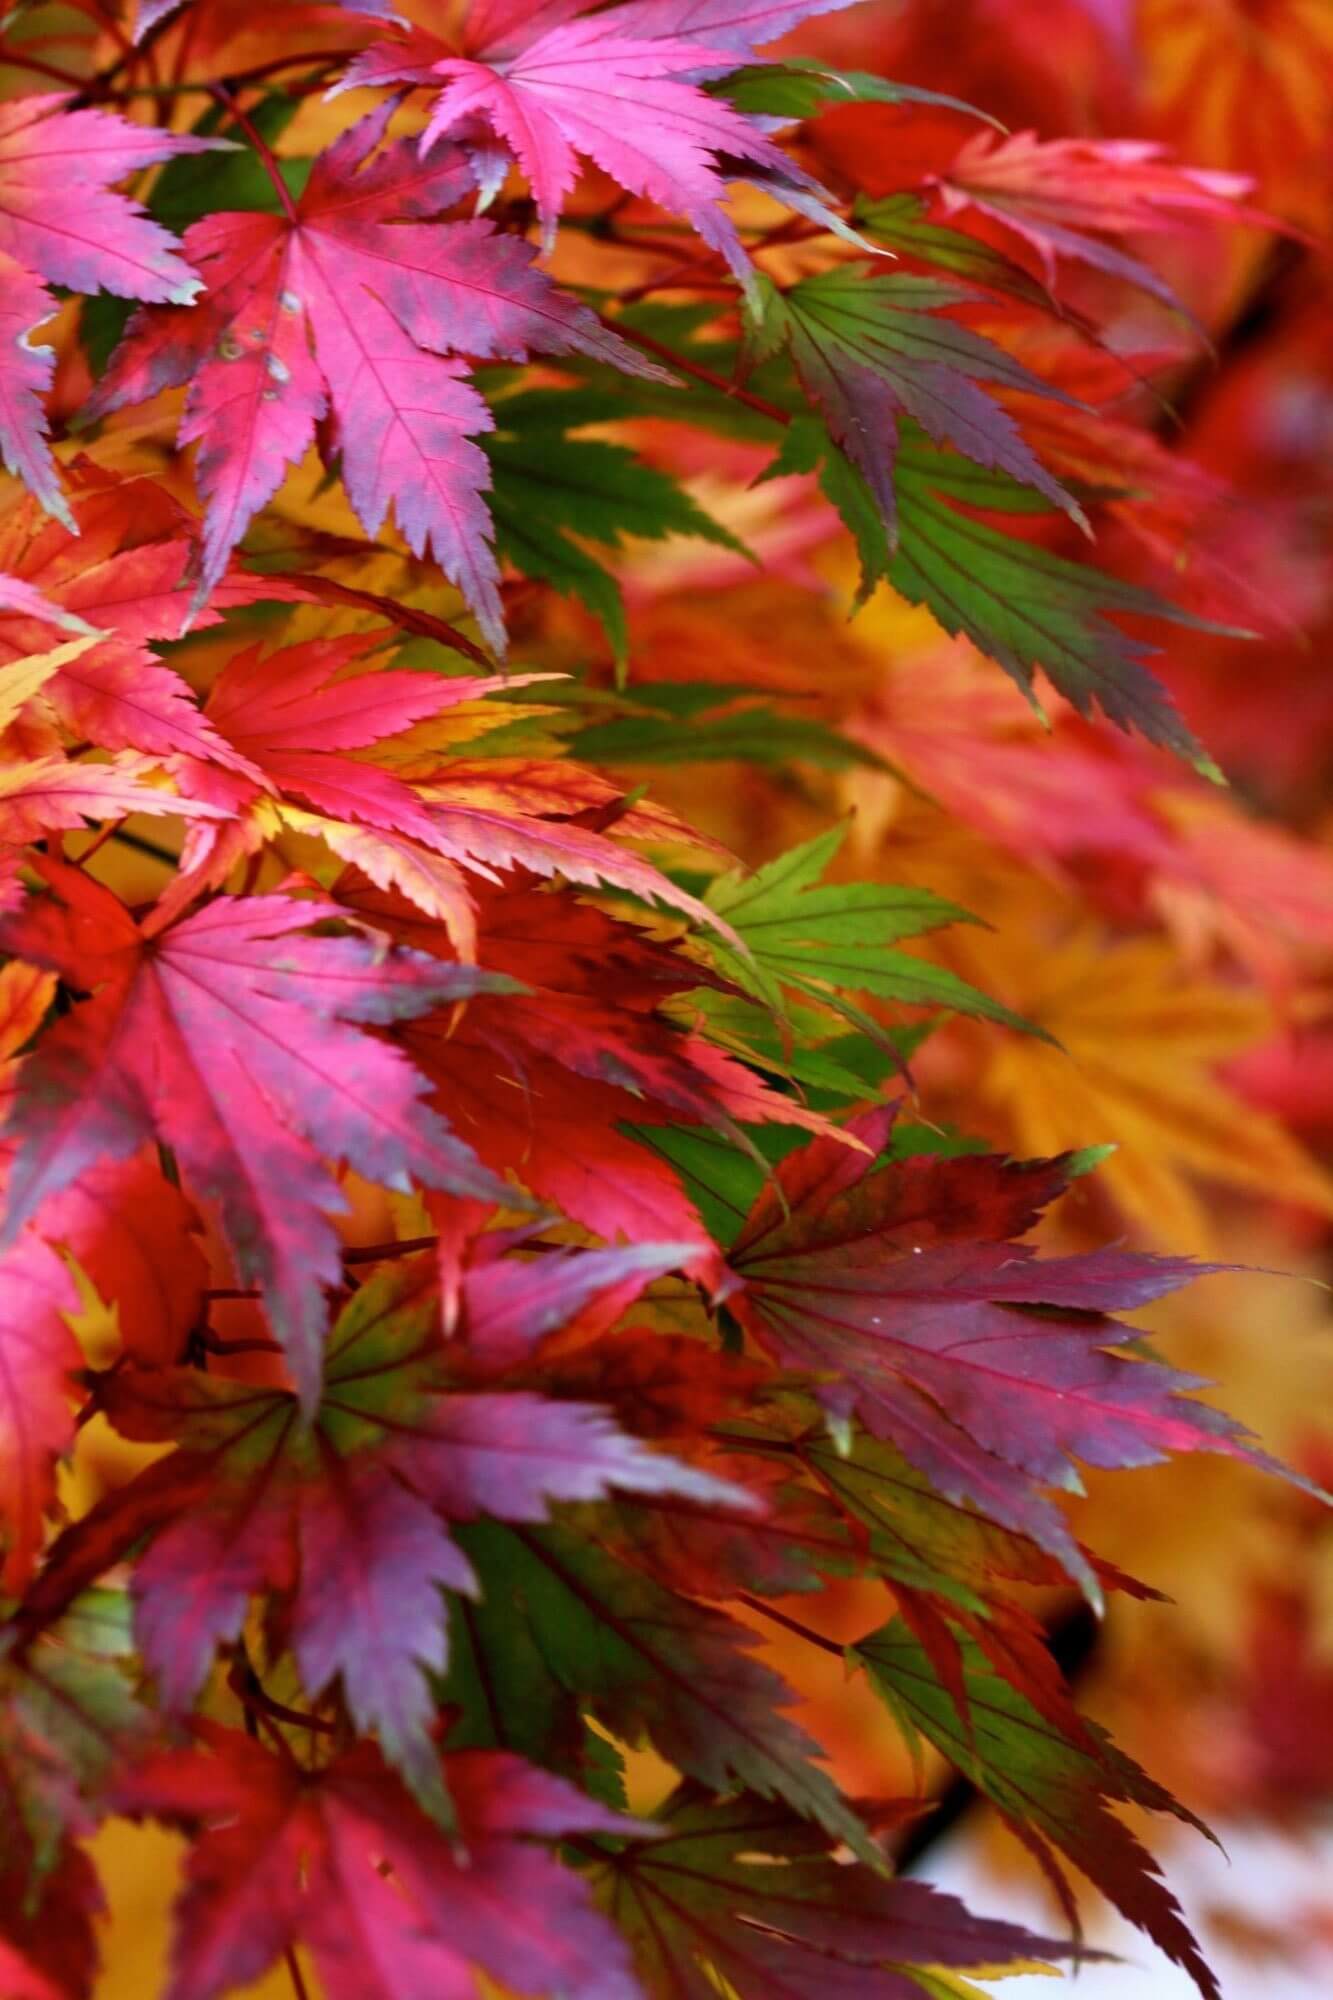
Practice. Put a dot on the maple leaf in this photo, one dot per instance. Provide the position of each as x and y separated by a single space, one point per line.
285 722
351 301
741 1891
576 1626
1053 1789
121 574
794 1540
1021 604
824 939
289 719
60 222
48 1945
554 494
867 348
358 1501
493 1304
16 595
66 1713
113 1222
927 1546
904 1293
542 1085
620 88
229 1037
1051 192
341 1861
1146 1041
38 1359
65 1698
901 222
50 794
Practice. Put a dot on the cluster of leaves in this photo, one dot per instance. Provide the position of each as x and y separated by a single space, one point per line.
509 1263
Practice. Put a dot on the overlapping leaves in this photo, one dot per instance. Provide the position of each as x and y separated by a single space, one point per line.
451 1538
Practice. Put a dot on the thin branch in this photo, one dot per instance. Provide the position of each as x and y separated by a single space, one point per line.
149 847
317 62
295 1973
108 832
11 59
245 1684
372 1253
792 1625
733 390
268 158
408 617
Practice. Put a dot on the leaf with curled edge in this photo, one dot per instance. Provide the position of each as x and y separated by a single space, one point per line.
346 1520
356 305
1053 192
904 1293
237 1039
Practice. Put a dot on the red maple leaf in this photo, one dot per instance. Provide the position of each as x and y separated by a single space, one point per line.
349 1518
621 88
1053 192
905 1293
542 1081
342 1861
38 1358
229 1037
748 1893
120 574
352 302
60 222
114 1222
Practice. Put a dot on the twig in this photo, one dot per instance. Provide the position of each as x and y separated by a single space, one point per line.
651 345
268 158
299 1986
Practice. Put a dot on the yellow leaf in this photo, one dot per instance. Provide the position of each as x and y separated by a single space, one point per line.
20 680
1141 1047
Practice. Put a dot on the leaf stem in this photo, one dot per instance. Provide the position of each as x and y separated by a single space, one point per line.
268 158
372 1253
245 1684
11 59
733 390
792 1625
295 1973
148 847
408 617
